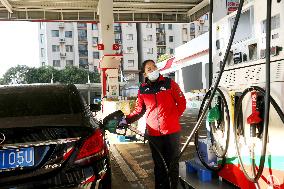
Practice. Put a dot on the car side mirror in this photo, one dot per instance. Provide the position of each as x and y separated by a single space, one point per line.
95 107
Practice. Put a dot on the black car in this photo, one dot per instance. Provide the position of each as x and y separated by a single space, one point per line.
49 139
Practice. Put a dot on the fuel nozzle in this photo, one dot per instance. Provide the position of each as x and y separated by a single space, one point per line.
111 121
214 114
254 119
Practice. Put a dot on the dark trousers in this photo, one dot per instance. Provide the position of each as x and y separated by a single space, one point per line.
168 145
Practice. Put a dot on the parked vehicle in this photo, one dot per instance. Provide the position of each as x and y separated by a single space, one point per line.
49 139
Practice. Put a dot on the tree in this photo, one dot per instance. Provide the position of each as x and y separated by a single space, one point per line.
15 75
73 74
69 75
163 57
95 77
42 75
1 81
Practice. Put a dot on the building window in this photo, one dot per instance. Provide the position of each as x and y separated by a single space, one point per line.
82 47
41 25
43 64
129 24
96 55
275 23
130 63
41 38
83 53
69 62
150 51
129 36
95 40
149 37
69 48
55 48
55 33
83 50
117 36
117 29
83 63
95 68
206 16
171 38
170 26
161 50
42 52
82 35
68 34
117 41
149 25
161 26
56 63
171 51
130 49
81 25
94 26
184 30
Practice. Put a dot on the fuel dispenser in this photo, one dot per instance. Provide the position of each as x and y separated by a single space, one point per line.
217 127
254 158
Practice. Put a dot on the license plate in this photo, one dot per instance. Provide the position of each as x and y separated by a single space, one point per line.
13 158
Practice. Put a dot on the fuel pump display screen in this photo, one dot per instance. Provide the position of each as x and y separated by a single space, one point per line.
243 31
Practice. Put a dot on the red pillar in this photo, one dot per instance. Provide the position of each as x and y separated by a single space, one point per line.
104 84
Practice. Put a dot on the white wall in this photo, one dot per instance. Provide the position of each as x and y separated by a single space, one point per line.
145 43
192 47
129 30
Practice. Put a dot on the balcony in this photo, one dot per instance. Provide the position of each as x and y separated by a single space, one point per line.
118 41
83 63
63 55
161 43
83 53
82 40
161 51
160 30
117 29
82 25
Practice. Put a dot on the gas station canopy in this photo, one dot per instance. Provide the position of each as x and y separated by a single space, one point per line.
86 10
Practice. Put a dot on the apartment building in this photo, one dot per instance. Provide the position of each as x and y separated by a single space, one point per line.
66 44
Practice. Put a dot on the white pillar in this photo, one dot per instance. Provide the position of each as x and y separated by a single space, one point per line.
108 62
105 11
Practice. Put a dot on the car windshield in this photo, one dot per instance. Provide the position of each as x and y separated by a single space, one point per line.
35 101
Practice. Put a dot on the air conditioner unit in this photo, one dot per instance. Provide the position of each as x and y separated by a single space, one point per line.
61 40
145 39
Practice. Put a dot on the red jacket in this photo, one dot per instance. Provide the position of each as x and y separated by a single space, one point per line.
163 102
